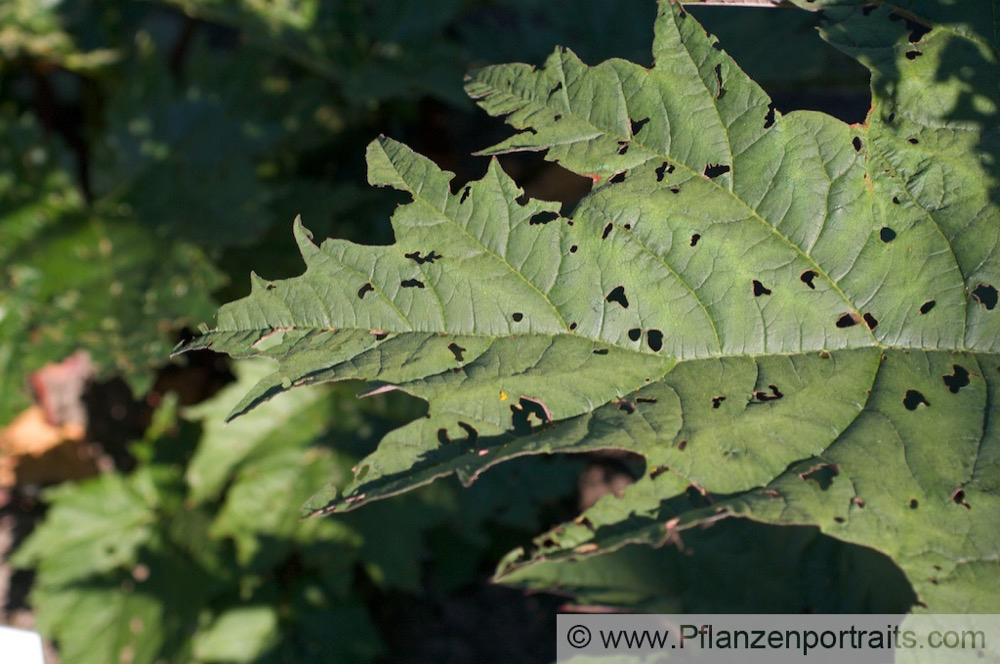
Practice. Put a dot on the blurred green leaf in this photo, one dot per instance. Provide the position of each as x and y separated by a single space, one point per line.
238 635
93 528
371 50
32 29
76 281
180 158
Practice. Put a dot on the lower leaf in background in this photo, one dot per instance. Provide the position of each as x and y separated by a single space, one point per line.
734 566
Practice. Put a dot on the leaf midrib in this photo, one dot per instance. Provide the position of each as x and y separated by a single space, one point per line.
605 343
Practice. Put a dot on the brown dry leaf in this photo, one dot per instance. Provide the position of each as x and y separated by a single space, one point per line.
33 450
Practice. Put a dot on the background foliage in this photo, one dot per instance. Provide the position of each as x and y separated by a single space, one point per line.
156 153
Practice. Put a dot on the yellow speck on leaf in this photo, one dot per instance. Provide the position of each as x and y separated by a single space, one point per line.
503 396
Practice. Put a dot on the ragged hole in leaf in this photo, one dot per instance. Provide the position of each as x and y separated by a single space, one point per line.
886 234
917 30
378 334
411 283
824 355
762 396
627 227
675 190
895 200
718 81
682 445
912 140
522 200
622 147
525 412
542 218
807 278
471 434
694 239
958 497
870 321
607 231
927 306
848 320
645 400
717 401
839 519
600 351
659 470
662 170
698 495
420 260
617 295
557 88
985 295
626 405
457 351
269 286
617 179
913 55
517 316
914 503
958 379
655 340
573 249
465 195
715 170
769 118
822 474
557 117
760 289
634 334
914 400
857 144
364 290
572 326
637 125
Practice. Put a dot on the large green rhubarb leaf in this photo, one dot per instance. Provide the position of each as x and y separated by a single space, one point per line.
792 317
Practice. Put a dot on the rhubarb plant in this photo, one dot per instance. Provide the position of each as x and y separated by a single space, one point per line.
793 320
